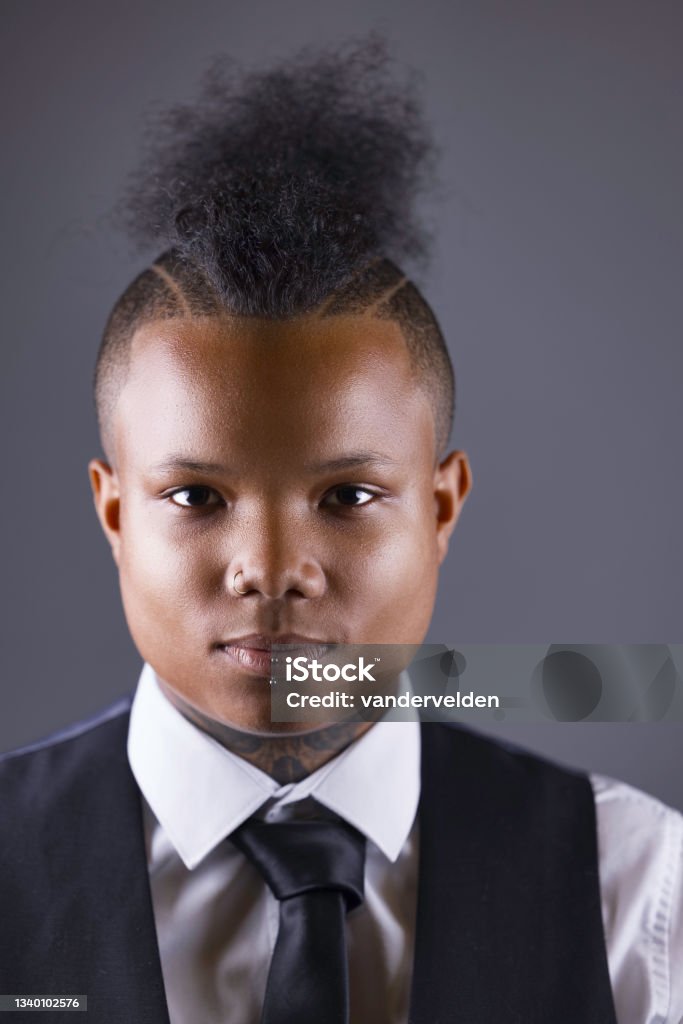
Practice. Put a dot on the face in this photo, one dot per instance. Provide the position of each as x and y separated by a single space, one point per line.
292 461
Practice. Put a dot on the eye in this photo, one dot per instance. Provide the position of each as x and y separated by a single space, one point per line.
349 496
194 497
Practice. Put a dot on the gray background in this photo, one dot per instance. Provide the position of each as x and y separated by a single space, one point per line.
556 276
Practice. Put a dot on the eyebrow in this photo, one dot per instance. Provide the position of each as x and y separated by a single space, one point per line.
192 465
351 461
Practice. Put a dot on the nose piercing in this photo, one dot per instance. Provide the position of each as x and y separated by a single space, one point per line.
234 584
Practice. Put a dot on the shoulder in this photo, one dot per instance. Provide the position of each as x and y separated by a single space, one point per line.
640 843
628 812
59 798
640 839
33 773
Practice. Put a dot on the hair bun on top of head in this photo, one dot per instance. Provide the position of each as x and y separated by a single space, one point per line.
277 193
280 184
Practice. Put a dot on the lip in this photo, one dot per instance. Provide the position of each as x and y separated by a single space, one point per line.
253 653
266 641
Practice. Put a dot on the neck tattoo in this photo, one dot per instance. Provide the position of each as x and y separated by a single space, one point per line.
285 758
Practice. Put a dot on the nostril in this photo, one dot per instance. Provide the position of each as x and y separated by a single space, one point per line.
238 583
304 582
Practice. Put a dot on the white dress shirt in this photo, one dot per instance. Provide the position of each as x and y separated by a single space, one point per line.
217 921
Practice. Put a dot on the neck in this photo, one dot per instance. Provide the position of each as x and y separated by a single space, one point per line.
286 758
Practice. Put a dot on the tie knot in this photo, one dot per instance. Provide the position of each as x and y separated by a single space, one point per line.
304 856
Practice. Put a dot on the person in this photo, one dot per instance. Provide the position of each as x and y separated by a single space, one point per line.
275 401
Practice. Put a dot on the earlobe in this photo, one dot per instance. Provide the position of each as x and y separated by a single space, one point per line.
105 489
452 484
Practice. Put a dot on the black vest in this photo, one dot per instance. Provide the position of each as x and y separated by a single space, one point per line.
509 926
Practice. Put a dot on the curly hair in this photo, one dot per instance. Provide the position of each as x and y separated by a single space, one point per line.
278 193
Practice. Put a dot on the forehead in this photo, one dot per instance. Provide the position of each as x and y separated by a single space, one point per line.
263 384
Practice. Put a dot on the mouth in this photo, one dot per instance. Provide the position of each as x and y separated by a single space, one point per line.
255 653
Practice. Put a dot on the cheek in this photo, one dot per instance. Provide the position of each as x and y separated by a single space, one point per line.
397 579
162 579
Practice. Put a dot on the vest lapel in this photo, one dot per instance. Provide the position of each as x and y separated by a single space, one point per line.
509 926
123 955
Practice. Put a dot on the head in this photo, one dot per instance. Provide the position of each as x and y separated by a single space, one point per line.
275 398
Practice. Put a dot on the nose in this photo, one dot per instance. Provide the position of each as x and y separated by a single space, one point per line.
276 562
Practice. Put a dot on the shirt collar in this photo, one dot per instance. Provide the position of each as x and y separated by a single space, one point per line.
199 792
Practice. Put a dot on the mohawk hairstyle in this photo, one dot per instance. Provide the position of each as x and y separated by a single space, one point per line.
280 193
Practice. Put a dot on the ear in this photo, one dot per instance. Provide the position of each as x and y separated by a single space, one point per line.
452 484
105 490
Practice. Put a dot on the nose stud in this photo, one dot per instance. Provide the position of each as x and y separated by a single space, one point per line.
234 584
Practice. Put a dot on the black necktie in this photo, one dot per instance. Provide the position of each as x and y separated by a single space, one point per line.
315 869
